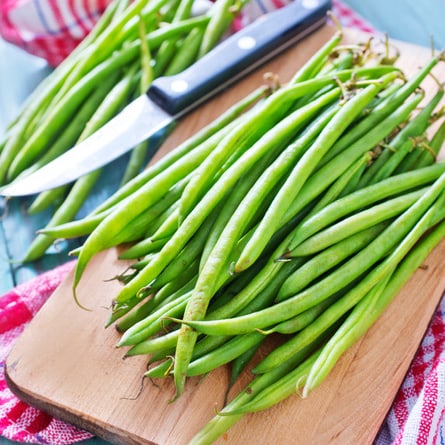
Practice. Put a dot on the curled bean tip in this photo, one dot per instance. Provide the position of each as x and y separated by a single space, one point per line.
337 24
264 332
77 301
301 388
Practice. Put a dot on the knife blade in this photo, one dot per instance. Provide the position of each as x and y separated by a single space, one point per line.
170 98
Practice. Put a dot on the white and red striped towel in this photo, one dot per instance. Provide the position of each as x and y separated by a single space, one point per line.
51 29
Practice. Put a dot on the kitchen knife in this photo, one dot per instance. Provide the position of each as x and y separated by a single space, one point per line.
169 98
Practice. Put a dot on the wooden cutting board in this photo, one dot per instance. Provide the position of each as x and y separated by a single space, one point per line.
67 364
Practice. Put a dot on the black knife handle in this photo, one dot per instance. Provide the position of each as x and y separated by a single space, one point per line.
237 55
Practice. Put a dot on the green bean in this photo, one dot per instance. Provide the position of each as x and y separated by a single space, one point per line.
64 109
258 191
185 230
213 267
154 345
360 168
160 370
312 66
301 321
289 191
391 186
106 41
138 153
82 187
425 156
52 197
74 229
71 133
384 109
221 422
189 254
209 347
136 203
328 173
352 297
362 220
369 309
240 363
335 281
175 30
38 100
167 48
144 247
340 185
153 323
292 383
221 16
186 53
230 350
168 226
401 144
134 309
325 260
47 91
262 119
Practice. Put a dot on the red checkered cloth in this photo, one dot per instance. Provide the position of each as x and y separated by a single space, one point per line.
19 421
51 29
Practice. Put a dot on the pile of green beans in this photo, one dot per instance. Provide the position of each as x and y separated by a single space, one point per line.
132 43
301 211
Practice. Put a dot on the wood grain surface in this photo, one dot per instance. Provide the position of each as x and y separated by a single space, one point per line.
66 362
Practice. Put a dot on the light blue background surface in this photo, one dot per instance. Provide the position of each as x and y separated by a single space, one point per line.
409 20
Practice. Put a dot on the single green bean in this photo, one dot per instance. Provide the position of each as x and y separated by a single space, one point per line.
155 345
74 229
325 260
167 48
357 222
138 153
186 53
225 354
222 14
311 68
46 199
